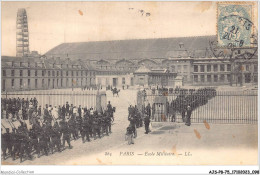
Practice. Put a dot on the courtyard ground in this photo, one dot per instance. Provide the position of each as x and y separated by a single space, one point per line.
167 144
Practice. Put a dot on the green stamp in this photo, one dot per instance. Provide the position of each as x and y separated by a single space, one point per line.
234 25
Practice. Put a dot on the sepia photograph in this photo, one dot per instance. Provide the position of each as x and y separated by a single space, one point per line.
129 83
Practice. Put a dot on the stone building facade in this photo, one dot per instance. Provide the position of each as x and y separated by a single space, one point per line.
43 73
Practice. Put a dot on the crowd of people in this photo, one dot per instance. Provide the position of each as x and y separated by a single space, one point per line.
47 133
137 118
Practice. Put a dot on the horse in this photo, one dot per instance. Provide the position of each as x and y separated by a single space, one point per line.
115 91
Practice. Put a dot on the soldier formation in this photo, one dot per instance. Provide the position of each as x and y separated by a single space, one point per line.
49 132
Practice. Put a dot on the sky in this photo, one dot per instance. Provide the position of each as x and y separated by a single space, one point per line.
53 23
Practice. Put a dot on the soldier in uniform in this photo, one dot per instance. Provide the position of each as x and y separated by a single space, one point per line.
72 126
67 108
34 139
25 146
133 125
189 111
129 135
85 130
146 123
6 142
63 112
55 136
43 141
65 133
108 122
79 110
16 143
96 126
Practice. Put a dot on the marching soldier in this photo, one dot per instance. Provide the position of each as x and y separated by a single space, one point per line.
65 133
6 142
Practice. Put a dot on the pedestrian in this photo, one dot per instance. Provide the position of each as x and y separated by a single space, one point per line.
129 135
189 111
146 124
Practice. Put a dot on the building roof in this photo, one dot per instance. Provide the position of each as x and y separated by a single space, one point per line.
142 69
133 49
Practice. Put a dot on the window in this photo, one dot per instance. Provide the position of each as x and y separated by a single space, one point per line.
208 78
42 82
21 82
43 72
247 67
49 82
195 67
215 66
12 73
67 73
28 64
208 68
86 73
185 68
29 73
196 78
179 68
228 77
29 83
53 73
229 67
61 73
4 73
58 73
3 85
12 82
123 80
222 78
36 65
89 73
215 78
36 83
173 68
202 78
202 68
49 73
12 64
72 73
222 67
77 73
36 73
185 77
21 64
81 73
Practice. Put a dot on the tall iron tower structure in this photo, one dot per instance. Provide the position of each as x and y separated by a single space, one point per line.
22 34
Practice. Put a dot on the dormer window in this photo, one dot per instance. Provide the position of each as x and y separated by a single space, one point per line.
21 64
28 64
181 45
53 65
12 64
36 65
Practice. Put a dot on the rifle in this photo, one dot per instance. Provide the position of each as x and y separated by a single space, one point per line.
11 124
3 125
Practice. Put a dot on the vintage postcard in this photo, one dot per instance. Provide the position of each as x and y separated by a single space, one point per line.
129 83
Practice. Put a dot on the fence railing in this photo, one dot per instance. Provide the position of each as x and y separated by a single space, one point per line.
225 107
86 98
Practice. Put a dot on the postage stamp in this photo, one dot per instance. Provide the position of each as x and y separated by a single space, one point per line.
234 25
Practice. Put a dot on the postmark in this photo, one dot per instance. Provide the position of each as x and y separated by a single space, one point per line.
234 25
